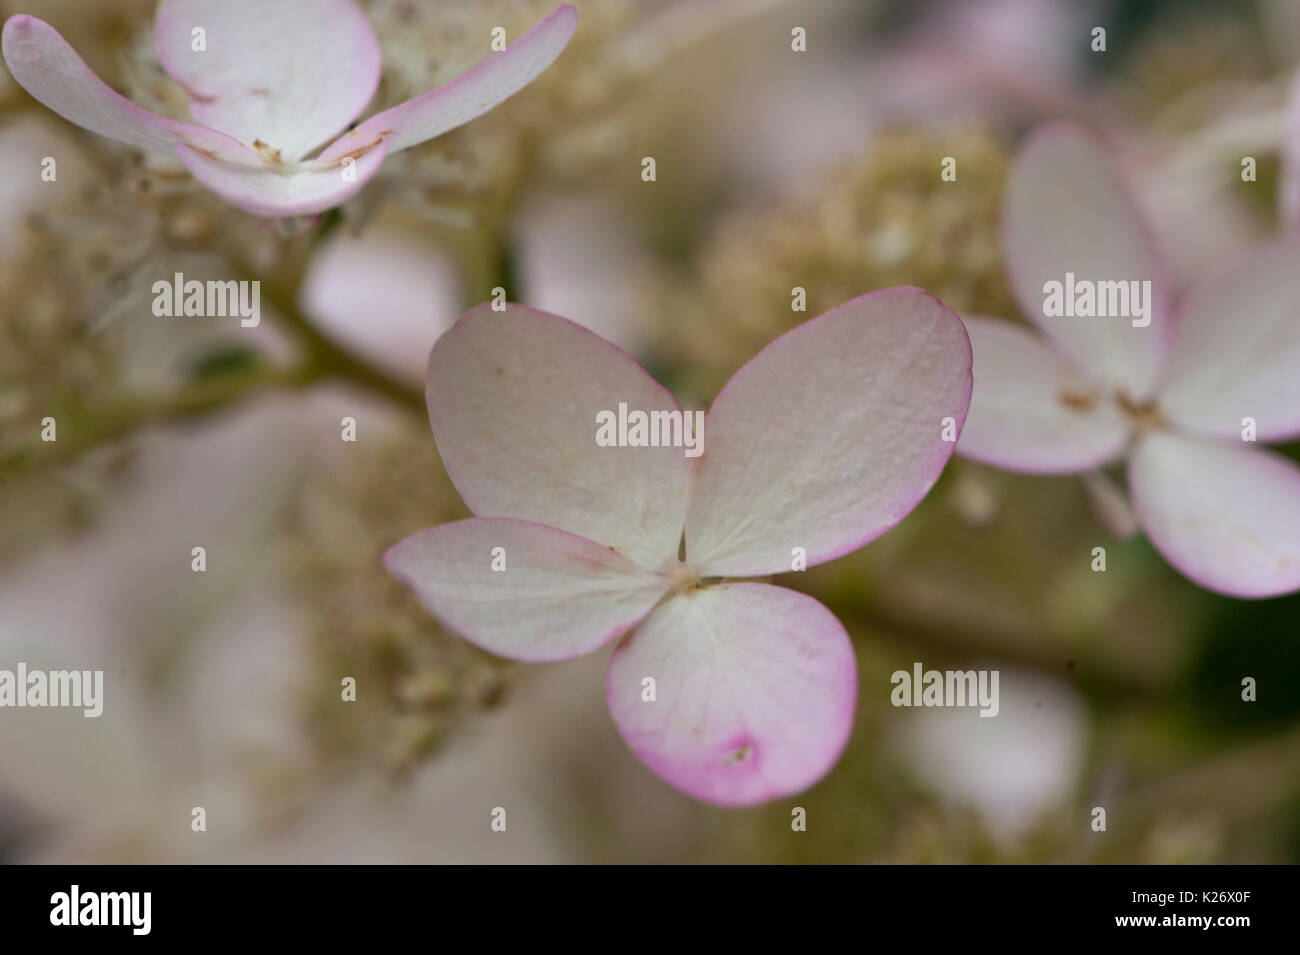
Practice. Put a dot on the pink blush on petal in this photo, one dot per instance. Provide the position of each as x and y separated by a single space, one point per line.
755 690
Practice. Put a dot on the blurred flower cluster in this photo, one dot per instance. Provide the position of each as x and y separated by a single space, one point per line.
886 220
777 171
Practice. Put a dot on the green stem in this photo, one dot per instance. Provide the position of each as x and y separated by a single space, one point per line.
119 421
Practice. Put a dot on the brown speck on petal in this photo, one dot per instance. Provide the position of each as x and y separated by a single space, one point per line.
1076 401
266 153
738 755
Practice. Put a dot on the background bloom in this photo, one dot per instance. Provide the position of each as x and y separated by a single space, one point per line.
777 170
1181 397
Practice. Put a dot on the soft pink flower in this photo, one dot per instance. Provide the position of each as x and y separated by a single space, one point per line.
273 82
1010 770
1171 397
822 442
386 294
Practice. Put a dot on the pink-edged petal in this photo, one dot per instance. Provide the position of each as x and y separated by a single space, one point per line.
304 189
513 399
1068 212
559 595
469 95
47 67
1289 192
754 692
1031 410
829 436
1236 350
1228 517
289 73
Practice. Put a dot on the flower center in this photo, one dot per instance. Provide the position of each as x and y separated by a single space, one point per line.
683 578
1077 400
269 155
1142 415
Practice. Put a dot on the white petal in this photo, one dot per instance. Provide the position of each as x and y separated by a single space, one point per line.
1236 351
1227 517
1031 410
1068 212
290 73
47 67
469 95
754 692
829 436
514 397
558 596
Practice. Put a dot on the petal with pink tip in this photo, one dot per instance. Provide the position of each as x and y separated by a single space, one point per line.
469 95
559 595
1067 212
754 692
1236 350
513 399
1227 517
47 67
1031 410
305 189
291 74
829 436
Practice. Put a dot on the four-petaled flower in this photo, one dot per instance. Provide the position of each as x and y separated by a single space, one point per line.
271 82
1181 398
822 442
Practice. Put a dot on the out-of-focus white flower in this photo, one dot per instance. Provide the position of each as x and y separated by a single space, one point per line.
385 294
1181 396
578 258
1011 767
201 669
